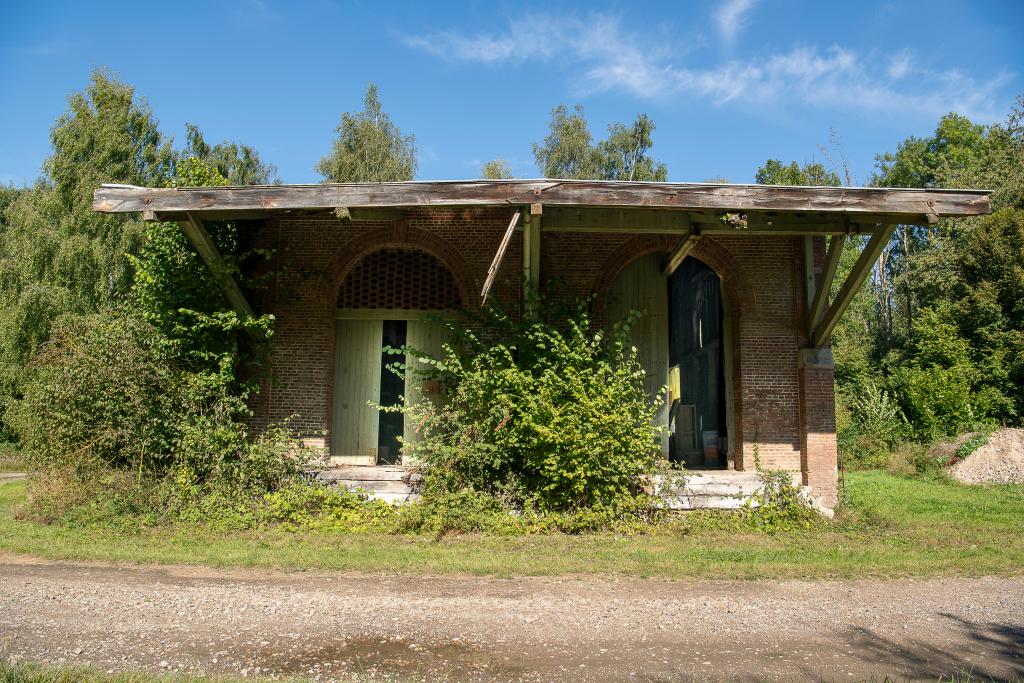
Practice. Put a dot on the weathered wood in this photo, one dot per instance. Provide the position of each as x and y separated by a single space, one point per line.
851 286
913 204
208 252
531 250
680 253
809 280
492 272
828 275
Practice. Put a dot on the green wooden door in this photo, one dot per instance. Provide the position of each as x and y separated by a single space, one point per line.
357 365
427 336
642 286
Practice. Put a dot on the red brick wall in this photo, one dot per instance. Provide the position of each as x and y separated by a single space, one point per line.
762 280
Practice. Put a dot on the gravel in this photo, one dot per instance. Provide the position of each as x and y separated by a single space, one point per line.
1000 461
338 627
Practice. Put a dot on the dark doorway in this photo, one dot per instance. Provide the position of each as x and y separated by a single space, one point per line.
391 424
697 416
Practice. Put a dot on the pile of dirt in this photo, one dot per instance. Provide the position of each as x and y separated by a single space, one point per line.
1000 461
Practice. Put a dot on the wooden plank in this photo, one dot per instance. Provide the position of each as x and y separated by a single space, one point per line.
894 202
357 358
680 253
852 285
492 272
208 252
828 275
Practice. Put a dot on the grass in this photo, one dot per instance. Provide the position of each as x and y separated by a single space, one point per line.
25 672
891 527
10 459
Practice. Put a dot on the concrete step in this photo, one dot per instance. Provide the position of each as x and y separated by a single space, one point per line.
368 473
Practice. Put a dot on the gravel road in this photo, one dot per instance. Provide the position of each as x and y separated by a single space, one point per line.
339 627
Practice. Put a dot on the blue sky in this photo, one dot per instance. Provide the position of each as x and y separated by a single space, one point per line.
729 83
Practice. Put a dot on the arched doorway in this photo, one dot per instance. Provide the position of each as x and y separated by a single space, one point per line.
385 302
682 343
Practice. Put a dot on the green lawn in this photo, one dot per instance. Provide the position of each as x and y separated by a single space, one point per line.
892 527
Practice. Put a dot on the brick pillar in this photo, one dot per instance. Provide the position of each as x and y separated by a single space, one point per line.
818 424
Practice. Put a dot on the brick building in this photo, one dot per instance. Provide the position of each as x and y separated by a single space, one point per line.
736 283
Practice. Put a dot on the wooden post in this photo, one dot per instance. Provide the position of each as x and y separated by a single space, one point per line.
852 284
828 275
208 252
809 279
531 247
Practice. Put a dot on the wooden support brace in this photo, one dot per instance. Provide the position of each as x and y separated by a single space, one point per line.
492 272
809 280
680 253
828 275
208 252
861 269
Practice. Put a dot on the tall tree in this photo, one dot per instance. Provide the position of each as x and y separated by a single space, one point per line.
236 163
496 169
774 172
369 147
568 150
58 256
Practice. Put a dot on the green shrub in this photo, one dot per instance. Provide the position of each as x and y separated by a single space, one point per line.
108 392
871 425
536 414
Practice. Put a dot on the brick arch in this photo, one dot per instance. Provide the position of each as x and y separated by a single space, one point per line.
738 295
398 236
707 250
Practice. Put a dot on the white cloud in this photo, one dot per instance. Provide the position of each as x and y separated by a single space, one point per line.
603 56
731 18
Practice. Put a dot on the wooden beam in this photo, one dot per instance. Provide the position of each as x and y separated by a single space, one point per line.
861 269
903 205
208 252
492 272
828 275
531 247
680 253
809 281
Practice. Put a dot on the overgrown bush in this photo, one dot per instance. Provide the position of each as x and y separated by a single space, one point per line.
107 393
869 424
553 416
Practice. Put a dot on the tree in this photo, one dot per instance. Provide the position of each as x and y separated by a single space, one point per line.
56 254
568 152
496 169
238 164
369 147
774 172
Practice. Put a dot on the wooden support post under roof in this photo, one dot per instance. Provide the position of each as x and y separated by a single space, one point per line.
531 247
861 269
679 254
809 279
828 275
208 252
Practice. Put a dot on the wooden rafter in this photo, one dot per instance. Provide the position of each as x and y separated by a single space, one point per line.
196 232
861 269
492 272
679 254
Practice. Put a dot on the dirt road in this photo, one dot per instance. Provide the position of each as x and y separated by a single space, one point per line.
336 627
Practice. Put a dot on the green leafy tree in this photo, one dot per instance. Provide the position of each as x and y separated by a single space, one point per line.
496 169
369 147
774 172
568 152
238 164
57 255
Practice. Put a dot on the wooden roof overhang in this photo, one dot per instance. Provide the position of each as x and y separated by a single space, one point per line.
690 210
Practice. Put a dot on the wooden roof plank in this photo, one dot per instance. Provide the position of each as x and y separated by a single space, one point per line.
612 194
